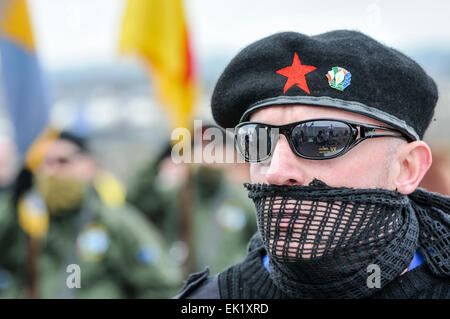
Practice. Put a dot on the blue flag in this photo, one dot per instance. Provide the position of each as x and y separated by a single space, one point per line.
22 81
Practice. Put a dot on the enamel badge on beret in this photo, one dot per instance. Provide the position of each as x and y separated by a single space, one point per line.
339 78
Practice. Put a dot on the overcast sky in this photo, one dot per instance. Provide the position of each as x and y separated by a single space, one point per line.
70 33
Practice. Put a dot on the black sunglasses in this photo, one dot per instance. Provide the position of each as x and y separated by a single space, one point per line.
316 139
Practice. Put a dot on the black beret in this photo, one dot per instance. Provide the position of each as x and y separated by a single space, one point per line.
340 69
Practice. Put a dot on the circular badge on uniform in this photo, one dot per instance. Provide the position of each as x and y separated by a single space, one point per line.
148 254
5 278
231 218
93 242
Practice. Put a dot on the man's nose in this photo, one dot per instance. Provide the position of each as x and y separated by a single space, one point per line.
284 168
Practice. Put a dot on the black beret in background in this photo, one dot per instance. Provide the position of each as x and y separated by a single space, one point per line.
383 83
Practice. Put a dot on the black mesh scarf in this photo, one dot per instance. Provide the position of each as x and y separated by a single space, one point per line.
433 212
320 240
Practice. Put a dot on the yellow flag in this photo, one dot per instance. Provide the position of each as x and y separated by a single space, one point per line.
15 23
33 216
157 31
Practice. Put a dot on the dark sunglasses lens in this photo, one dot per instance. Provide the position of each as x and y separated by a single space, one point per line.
254 142
320 139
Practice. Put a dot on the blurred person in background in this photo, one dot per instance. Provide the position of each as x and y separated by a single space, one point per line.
8 159
60 216
199 207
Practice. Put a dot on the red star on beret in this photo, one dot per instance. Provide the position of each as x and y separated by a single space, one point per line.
296 74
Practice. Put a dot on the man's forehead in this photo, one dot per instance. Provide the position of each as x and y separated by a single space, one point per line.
283 114
61 148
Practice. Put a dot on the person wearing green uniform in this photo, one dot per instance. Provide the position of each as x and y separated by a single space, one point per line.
200 209
62 238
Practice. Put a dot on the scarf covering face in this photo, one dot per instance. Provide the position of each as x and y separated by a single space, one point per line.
61 194
321 240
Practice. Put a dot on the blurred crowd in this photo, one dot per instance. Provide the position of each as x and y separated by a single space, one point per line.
140 240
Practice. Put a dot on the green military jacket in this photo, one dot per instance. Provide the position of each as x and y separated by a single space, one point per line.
222 218
116 253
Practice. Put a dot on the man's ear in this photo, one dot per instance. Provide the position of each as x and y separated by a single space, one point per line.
414 161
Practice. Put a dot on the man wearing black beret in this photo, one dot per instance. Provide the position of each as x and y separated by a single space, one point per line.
332 125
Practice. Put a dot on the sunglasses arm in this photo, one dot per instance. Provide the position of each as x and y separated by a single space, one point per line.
371 132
